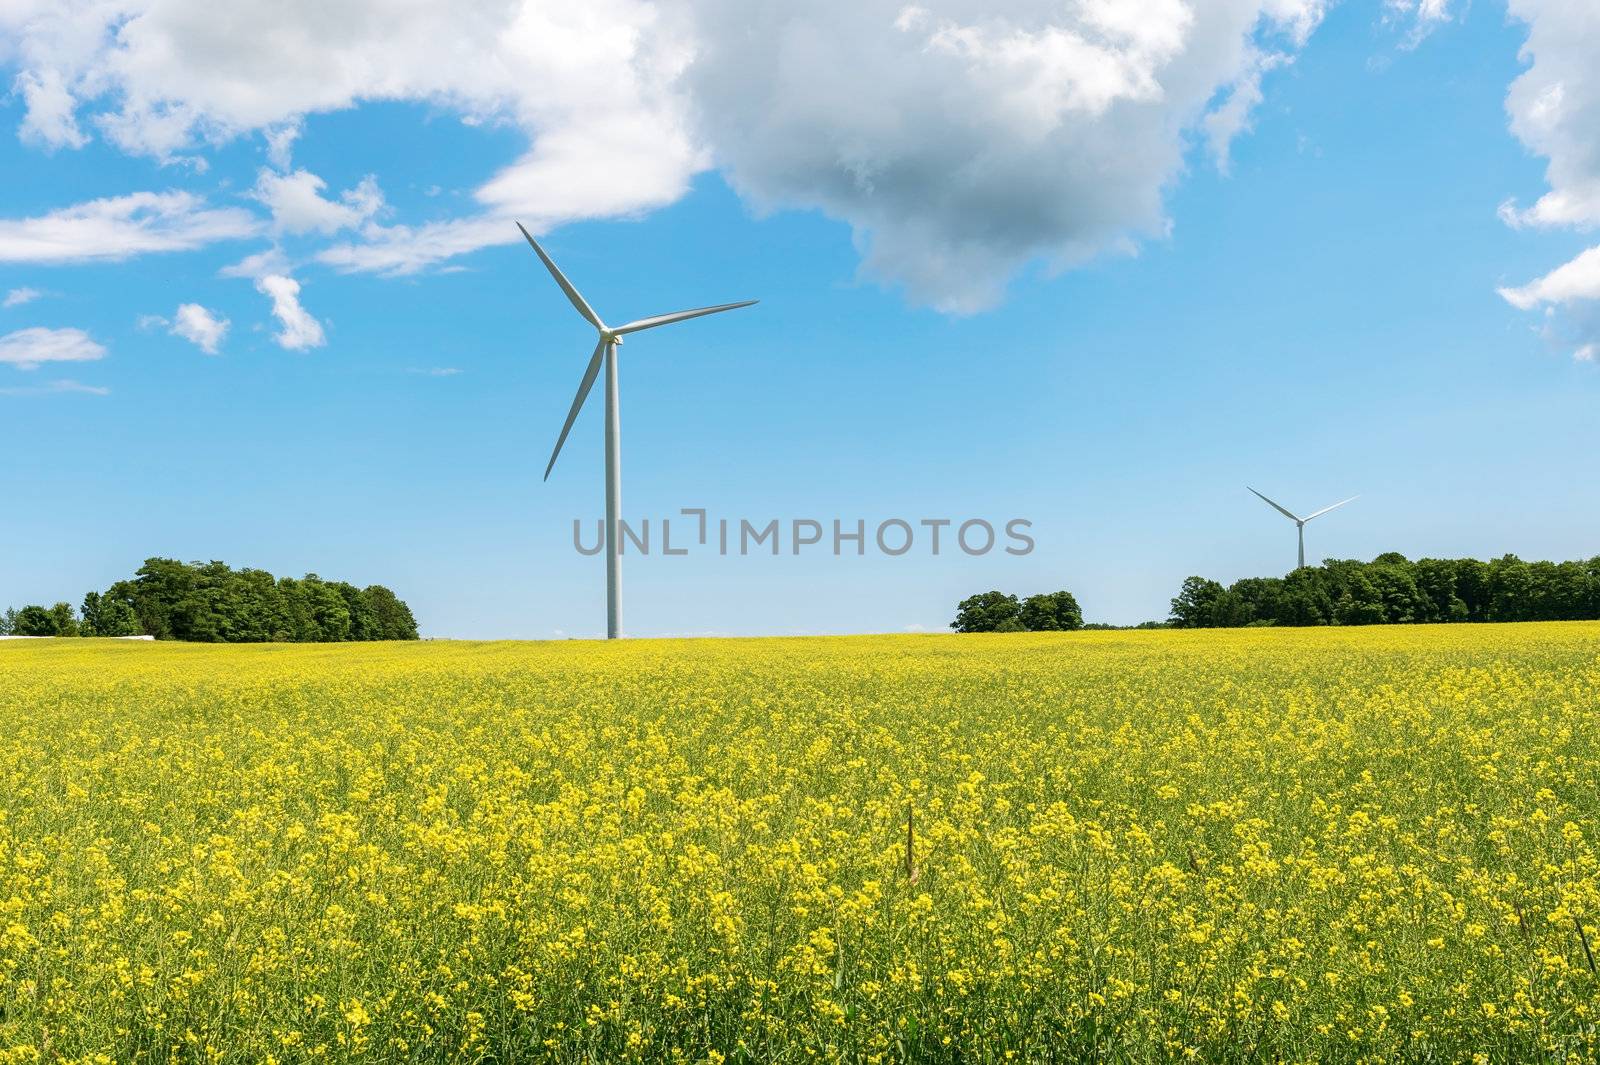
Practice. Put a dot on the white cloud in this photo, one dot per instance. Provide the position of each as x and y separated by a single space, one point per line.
1577 280
18 296
52 387
270 261
435 371
199 327
298 206
405 250
28 349
1231 118
1422 17
1298 17
959 140
586 82
49 119
120 226
280 144
1554 108
299 330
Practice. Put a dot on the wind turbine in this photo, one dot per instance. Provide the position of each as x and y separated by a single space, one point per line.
1300 523
606 351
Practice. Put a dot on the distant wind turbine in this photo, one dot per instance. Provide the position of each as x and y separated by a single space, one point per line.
606 350
1300 523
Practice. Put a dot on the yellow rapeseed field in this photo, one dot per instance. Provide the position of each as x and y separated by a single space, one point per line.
1354 844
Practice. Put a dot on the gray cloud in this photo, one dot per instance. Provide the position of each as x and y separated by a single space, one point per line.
960 140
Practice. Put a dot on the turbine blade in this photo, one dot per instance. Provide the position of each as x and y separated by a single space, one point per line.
1273 505
1336 506
566 286
678 316
577 403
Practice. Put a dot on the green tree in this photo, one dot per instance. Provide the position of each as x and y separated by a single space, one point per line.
1196 604
394 619
1436 580
105 616
1510 588
1403 603
1393 590
327 608
7 620
1232 611
1257 600
1472 586
364 623
92 612
66 619
1051 612
1572 580
252 608
34 620
985 612
210 601
1307 598
1556 591
1359 602
299 625
155 592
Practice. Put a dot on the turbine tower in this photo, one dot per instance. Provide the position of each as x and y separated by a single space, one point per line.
605 351
1300 523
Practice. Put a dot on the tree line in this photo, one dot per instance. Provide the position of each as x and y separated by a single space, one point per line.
1393 590
999 612
212 603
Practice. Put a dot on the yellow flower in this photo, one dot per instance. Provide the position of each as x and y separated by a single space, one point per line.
1350 844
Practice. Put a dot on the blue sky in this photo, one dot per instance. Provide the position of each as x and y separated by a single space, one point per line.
1089 320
